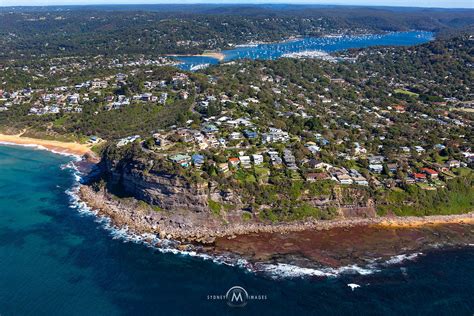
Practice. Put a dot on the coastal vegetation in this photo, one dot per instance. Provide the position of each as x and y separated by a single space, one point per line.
369 131
456 197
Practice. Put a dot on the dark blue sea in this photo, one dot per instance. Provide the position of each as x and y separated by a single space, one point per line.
56 260
277 50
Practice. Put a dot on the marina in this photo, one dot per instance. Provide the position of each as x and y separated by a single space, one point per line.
299 48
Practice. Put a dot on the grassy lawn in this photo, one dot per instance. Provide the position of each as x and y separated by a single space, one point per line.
406 92
244 176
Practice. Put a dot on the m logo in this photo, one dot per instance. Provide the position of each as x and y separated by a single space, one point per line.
237 296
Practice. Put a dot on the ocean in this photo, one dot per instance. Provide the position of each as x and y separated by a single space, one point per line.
326 44
57 259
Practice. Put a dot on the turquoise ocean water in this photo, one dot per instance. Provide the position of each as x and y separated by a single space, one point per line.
55 260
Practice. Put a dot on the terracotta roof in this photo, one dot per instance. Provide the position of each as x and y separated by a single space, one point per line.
419 176
429 171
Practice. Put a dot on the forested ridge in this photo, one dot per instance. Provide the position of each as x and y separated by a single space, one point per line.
154 30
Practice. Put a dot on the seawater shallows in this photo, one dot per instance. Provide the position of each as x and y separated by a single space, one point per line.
57 260
325 44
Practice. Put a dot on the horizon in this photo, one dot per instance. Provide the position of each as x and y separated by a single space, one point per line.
438 4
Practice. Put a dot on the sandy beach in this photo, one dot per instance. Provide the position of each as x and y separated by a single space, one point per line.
217 55
53 145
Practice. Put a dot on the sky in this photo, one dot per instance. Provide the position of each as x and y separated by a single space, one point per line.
407 3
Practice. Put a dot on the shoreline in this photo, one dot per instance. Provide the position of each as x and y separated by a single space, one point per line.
216 55
311 245
122 215
66 148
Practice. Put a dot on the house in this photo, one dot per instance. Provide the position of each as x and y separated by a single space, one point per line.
432 174
198 136
358 149
235 136
96 84
439 147
453 164
146 97
392 167
277 162
289 159
198 160
357 178
275 135
250 134
180 159
317 176
419 177
223 167
344 179
374 160
234 161
210 129
399 108
257 159
337 80
121 77
419 149
315 164
159 139
312 147
323 142
163 98
127 140
360 180
222 142
376 168
245 161
185 135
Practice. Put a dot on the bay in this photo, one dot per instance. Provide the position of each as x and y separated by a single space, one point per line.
327 44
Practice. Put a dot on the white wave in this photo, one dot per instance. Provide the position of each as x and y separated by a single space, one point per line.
292 271
401 258
353 286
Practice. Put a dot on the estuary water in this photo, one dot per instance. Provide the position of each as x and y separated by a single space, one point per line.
325 44
57 260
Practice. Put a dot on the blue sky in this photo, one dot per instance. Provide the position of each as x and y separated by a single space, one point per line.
408 3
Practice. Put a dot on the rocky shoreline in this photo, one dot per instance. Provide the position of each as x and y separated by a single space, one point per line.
311 244
140 221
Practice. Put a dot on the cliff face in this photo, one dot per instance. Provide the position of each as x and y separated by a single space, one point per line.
164 190
187 201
